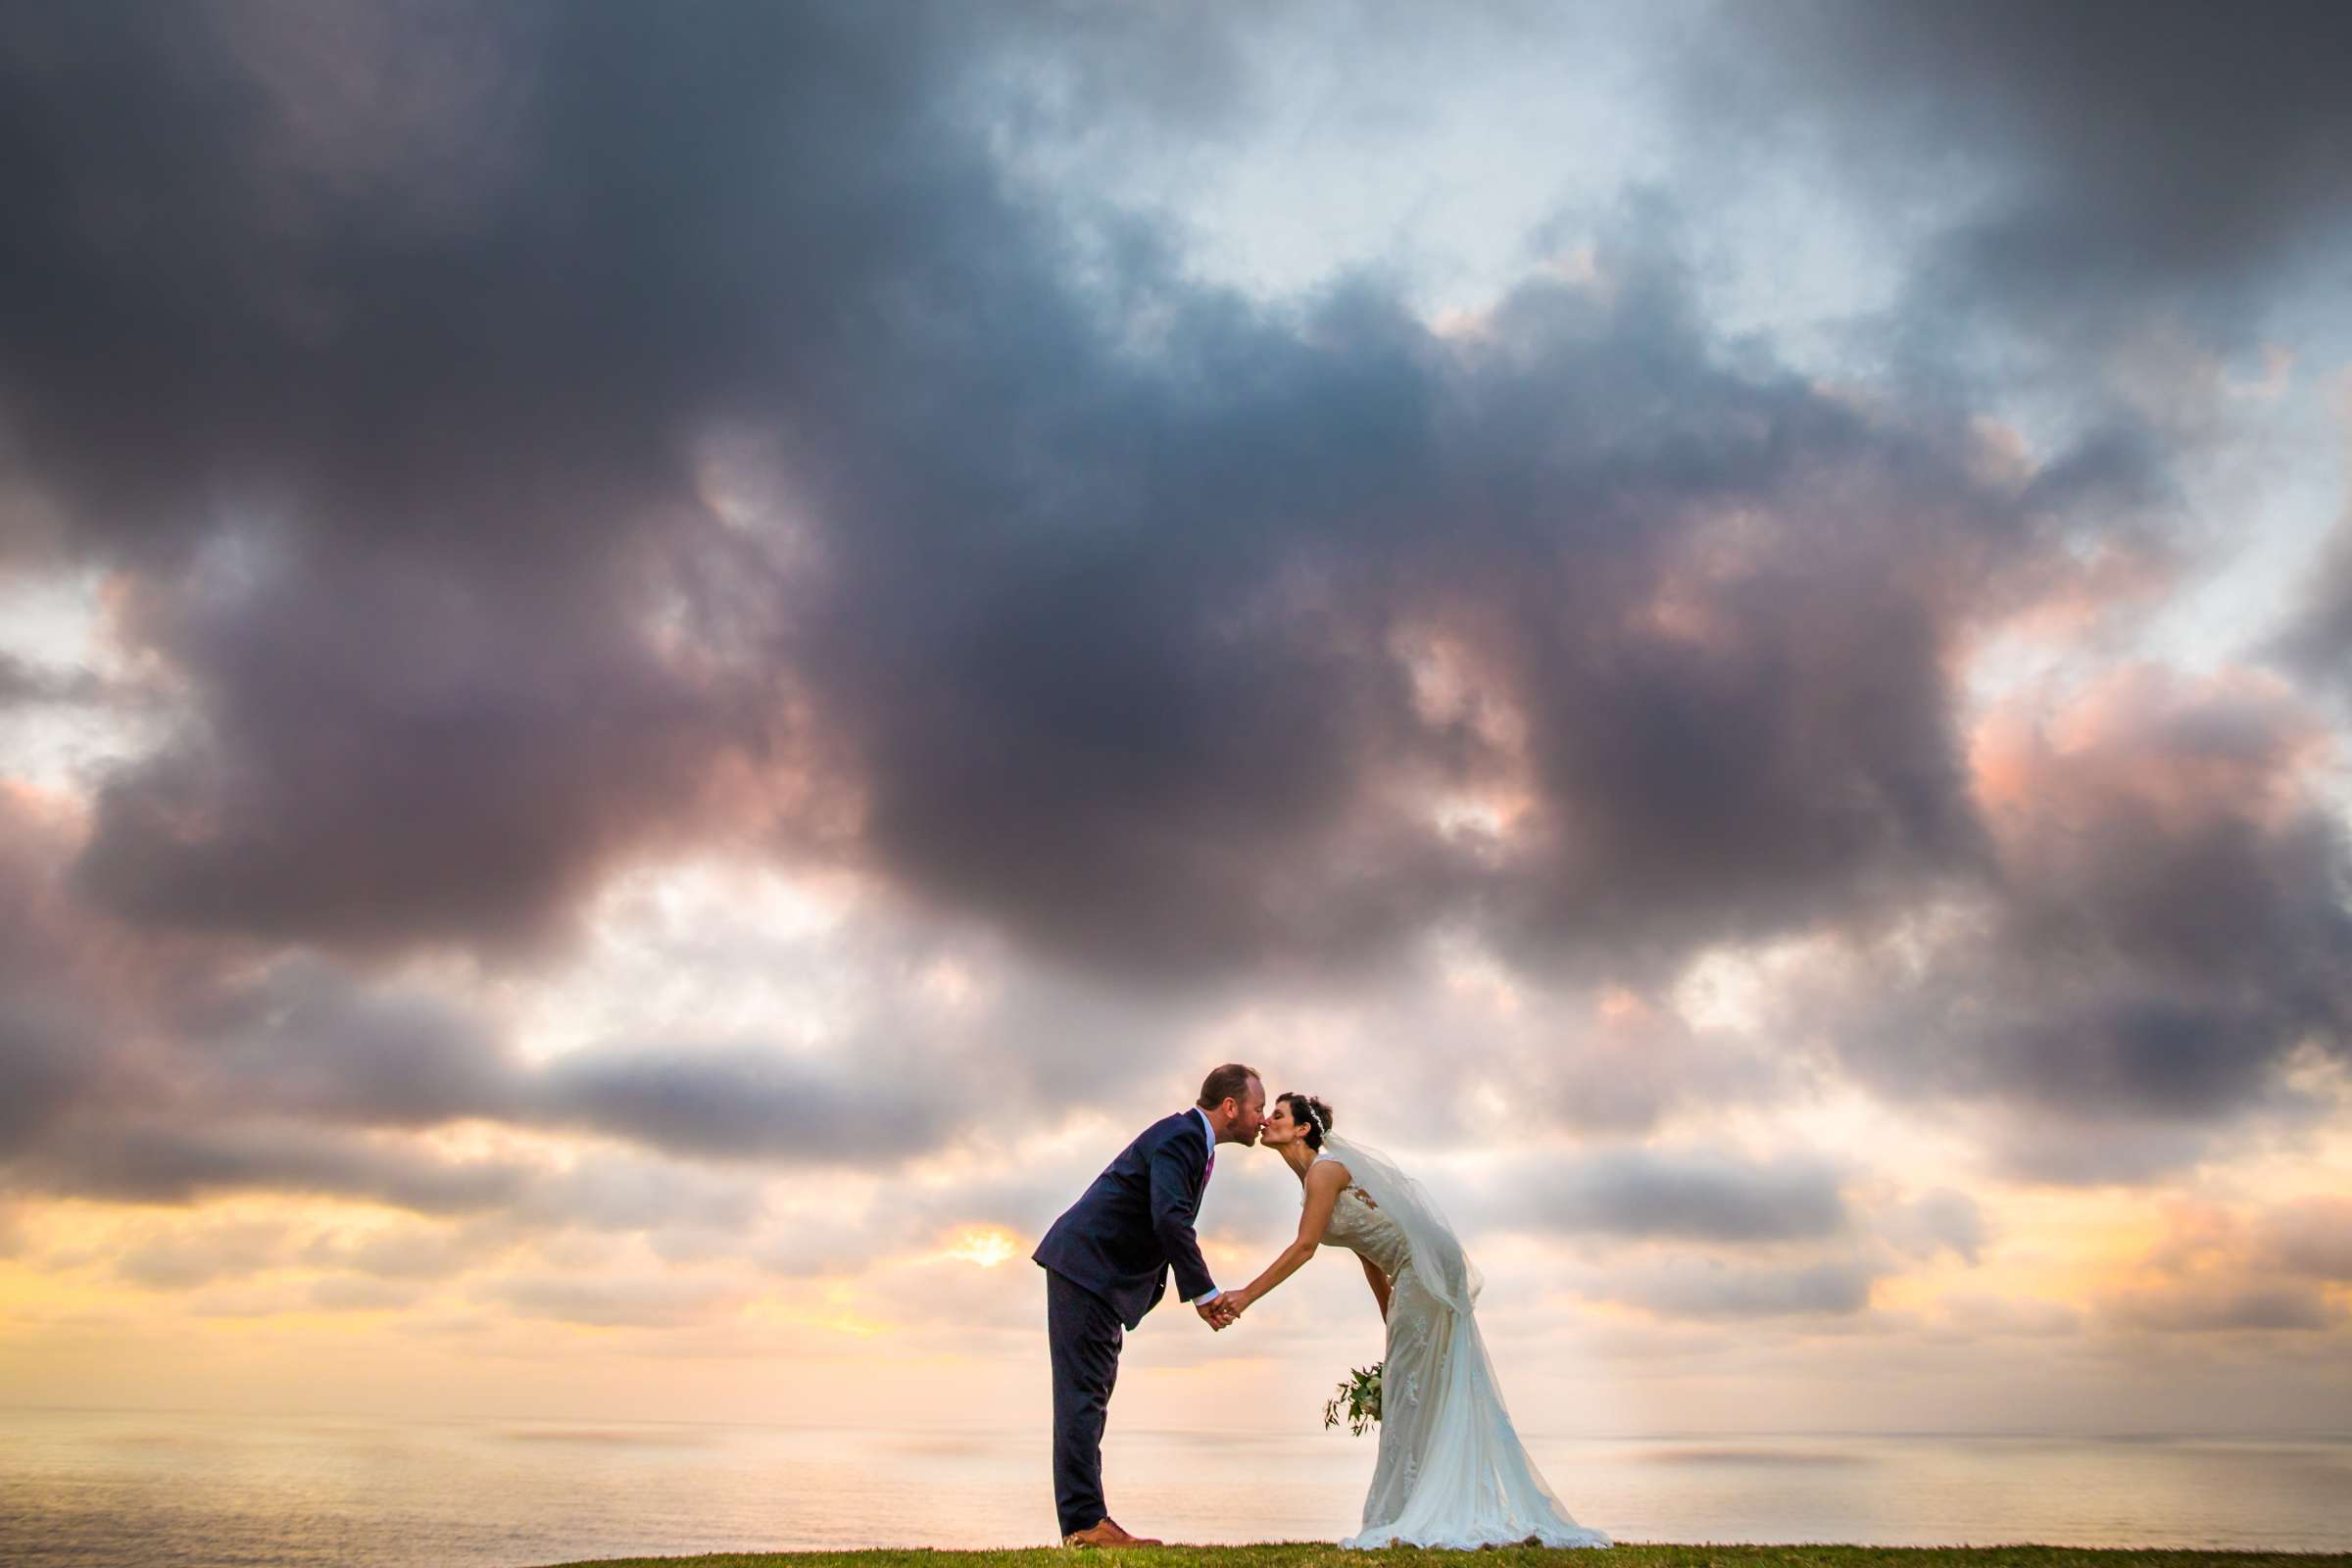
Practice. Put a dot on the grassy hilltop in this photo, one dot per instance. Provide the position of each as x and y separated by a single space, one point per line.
1325 1555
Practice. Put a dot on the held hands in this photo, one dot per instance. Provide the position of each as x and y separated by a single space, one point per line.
1224 1309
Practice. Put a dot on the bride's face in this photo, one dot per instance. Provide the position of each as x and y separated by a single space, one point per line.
1281 1127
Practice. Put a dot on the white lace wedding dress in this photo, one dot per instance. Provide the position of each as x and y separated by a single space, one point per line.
1451 1471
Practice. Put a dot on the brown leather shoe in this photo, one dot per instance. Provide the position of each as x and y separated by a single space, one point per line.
1106 1534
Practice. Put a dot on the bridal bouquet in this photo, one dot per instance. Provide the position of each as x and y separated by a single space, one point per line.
1358 1401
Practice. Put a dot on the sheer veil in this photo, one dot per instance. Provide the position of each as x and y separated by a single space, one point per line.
1451 1471
1440 1265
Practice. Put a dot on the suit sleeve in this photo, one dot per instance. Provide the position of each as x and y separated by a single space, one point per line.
1175 1194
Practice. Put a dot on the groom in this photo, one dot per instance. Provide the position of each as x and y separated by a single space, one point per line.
1107 1263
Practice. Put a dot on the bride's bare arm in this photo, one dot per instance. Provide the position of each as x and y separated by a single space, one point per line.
1324 1181
1380 1285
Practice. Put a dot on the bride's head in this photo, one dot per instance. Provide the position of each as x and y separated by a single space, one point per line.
1296 1118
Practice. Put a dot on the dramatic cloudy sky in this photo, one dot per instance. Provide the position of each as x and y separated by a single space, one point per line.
662 667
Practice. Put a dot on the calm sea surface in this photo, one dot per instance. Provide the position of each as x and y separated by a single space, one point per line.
155 1488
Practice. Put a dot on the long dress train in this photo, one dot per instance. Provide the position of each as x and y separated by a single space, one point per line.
1452 1470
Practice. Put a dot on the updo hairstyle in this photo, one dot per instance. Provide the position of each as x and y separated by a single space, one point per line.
1317 1122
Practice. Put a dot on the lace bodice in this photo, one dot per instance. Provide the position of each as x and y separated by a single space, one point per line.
1359 1225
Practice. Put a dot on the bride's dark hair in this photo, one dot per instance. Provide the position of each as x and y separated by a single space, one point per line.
1316 1124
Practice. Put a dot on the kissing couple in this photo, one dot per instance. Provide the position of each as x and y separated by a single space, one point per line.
1451 1471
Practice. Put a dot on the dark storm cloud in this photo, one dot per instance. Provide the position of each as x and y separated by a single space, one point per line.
2311 1237
214 1073
2317 640
51 1059
455 278
2250 1307
1695 1195
410 323
1180 635
1689 622
65 999
386 751
2093 159
150 1068
123 1160
1142 618
126 1159
1696 1234
2169 925
1706 1235
292 1085
745 1102
25 683
154 1071
1708 1288
2085 1146
306 1042
896 1074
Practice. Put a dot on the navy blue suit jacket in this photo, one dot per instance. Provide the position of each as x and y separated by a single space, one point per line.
1135 1223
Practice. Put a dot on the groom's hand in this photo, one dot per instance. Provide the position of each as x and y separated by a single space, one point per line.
1221 1312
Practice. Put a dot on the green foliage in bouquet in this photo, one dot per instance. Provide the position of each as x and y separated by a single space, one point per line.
1358 1401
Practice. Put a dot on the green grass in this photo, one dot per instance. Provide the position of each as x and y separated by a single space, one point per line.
1324 1555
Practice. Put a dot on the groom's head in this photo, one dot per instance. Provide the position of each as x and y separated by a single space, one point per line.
1235 1103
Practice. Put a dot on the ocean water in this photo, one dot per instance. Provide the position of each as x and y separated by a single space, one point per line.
164 1489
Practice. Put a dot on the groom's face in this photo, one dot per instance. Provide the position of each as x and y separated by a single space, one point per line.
1253 1114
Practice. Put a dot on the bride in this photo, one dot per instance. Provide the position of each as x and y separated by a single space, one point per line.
1451 1471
